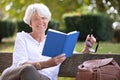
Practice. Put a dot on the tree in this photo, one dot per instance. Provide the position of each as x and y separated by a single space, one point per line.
111 7
14 9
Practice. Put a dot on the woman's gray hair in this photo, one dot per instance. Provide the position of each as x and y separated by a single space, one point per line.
41 9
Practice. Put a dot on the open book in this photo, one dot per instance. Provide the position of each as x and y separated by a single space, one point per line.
58 42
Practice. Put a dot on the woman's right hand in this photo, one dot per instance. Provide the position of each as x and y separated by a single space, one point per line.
53 61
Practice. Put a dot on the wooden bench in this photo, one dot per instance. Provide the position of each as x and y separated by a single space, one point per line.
68 67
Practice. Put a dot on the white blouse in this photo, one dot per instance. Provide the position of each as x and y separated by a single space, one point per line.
28 49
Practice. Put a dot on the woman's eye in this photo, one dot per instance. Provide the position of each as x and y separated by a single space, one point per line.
43 17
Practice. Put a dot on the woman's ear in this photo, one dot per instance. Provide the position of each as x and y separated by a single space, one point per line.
30 24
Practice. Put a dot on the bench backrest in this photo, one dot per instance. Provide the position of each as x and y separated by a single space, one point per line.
68 67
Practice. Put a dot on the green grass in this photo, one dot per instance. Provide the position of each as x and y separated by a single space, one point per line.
104 47
7 45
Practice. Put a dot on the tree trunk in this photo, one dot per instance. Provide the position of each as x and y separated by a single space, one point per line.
0 39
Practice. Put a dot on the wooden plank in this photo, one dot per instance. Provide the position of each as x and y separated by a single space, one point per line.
68 67
5 60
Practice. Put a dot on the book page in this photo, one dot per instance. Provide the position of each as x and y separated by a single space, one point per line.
56 31
72 32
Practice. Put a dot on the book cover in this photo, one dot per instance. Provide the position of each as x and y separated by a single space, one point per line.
58 42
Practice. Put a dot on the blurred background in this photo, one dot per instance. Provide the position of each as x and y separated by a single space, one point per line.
102 16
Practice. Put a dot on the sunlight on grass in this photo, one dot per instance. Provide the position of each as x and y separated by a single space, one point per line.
66 78
109 48
104 47
7 45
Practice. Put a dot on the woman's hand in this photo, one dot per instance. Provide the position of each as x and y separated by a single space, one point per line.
49 63
53 61
89 42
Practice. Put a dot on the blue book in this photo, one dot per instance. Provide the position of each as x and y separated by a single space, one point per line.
58 42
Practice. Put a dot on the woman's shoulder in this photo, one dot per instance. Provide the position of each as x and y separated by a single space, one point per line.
22 33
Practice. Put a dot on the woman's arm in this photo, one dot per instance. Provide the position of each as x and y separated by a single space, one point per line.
19 55
48 63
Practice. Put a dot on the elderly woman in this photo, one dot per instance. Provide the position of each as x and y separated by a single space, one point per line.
28 61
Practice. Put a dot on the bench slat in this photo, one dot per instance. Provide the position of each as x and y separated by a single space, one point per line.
68 67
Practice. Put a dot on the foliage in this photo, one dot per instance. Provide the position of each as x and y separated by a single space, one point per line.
24 27
7 29
54 25
111 7
14 9
101 25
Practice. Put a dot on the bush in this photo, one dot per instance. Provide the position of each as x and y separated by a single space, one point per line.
24 27
54 25
7 29
101 25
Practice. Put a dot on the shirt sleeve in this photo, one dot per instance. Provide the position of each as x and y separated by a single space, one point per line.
20 54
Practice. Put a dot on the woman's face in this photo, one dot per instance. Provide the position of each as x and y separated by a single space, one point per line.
38 23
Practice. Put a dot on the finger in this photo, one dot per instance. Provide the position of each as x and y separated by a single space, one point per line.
61 55
88 37
93 38
59 60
